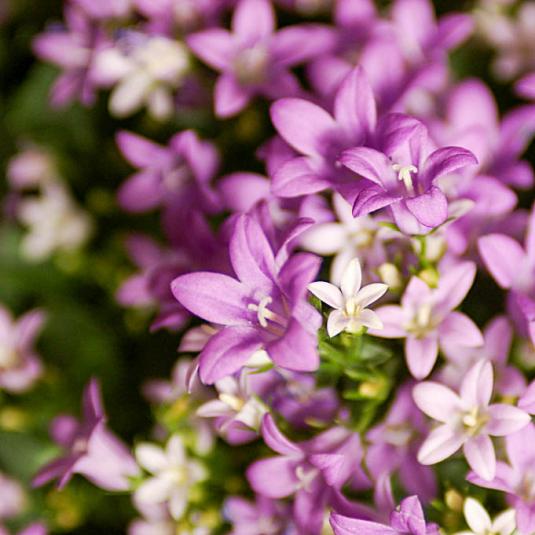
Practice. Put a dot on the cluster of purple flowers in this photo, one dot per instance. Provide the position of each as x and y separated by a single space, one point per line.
390 190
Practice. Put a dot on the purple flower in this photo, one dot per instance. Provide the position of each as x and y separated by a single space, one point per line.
405 181
20 366
253 59
517 478
312 470
261 517
12 497
90 449
179 173
526 86
426 318
466 419
408 519
73 50
264 307
394 443
320 138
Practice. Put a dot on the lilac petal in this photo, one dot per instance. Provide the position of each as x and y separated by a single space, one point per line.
241 191
141 192
303 125
409 517
498 338
479 453
92 405
453 286
28 327
296 350
215 47
519 448
328 293
459 328
251 254
505 420
440 444
215 297
525 87
525 517
354 106
296 177
452 30
430 208
395 129
349 13
226 352
63 430
437 401
59 468
393 318
230 97
530 237
444 161
371 199
527 401
370 164
253 20
298 43
476 387
275 477
502 256
140 152
342 525
421 355
276 440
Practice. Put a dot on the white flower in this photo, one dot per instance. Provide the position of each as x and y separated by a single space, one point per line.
479 521
173 473
148 74
235 403
54 223
350 301
343 238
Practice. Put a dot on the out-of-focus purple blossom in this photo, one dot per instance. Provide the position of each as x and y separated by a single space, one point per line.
466 419
498 337
265 307
525 87
12 497
320 138
90 449
73 49
104 9
517 478
20 365
407 519
262 517
143 70
253 59
179 173
426 318
350 301
36 528
394 443
31 168
310 471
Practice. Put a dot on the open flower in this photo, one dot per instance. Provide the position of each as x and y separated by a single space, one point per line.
466 419
173 475
426 318
480 523
350 301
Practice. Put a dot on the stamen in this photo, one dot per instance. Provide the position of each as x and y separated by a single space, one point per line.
404 175
264 314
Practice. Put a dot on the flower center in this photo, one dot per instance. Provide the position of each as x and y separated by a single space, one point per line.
352 309
526 488
175 179
305 477
422 321
251 65
79 446
234 402
404 175
473 421
9 357
263 313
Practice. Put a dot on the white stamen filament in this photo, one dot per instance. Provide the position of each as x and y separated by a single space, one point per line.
305 477
264 314
404 175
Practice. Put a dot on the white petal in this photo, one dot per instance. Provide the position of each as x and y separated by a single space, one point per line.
227 385
175 451
129 94
351 279
328 293
151 457
325 238
178 502
336 323
371 293
440 444
154 490
370 319
476 516
213 409
505 523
